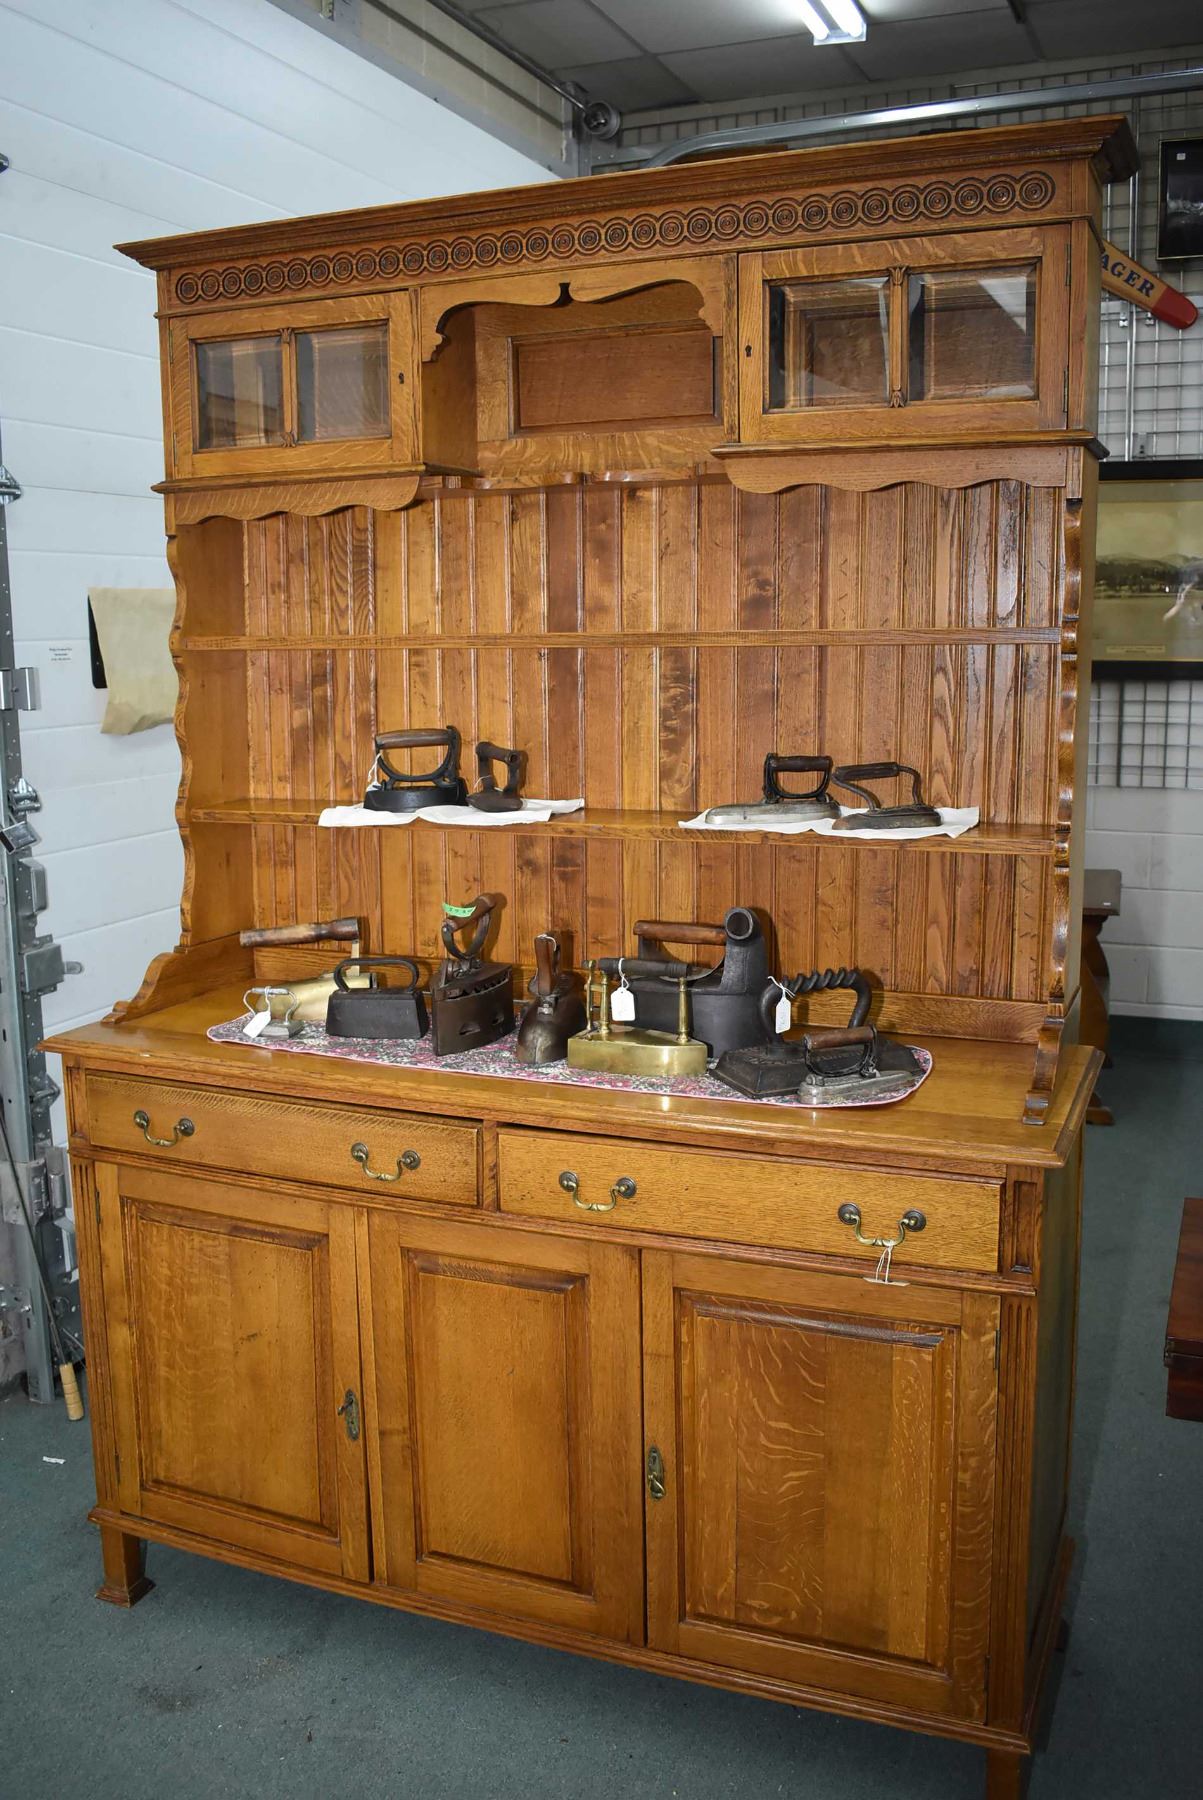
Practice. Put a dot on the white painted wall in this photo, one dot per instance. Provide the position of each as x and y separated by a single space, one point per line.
1154 837
127 119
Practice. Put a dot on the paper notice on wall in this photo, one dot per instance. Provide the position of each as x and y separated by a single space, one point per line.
133 627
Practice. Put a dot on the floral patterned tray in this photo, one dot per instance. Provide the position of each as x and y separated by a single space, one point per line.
499 1060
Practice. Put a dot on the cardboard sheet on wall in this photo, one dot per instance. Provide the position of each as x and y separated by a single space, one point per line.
133 626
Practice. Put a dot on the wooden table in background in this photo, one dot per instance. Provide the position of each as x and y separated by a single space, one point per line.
1101 889
1184 1331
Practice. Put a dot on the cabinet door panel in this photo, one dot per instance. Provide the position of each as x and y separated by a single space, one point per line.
235 1344
505 1403
828 1448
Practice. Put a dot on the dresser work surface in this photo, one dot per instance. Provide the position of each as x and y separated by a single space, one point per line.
648 476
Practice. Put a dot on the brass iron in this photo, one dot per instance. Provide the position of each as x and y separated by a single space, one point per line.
629 1049
557 1011
312 994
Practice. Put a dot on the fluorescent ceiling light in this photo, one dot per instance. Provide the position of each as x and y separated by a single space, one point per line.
833 21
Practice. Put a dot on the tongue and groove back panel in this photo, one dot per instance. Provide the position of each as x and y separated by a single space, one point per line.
646 645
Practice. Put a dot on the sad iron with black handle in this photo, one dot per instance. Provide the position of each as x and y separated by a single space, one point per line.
488 797
912 815
779 806
394 790
774 1067
557 1012
376 1012
471 1002
724 1000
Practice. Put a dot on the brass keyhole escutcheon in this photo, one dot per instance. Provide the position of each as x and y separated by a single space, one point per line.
655 1473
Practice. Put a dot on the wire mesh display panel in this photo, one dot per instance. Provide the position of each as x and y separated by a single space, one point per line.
1146 734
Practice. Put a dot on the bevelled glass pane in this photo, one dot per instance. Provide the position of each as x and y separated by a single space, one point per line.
828 343
239 393
342 383
973 334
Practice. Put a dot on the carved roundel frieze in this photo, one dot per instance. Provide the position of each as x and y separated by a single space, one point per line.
875 208
1035 190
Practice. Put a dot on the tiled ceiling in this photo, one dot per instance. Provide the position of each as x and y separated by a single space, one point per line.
644 54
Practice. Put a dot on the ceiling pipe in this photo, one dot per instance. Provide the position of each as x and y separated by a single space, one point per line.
788 131
598 117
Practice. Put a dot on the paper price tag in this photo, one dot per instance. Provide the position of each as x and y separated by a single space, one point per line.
622 1005
783 1014
257 1026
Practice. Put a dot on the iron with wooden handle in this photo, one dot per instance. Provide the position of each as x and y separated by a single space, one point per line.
311 995
338 930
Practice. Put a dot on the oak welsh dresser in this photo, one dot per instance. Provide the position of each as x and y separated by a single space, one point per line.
647 474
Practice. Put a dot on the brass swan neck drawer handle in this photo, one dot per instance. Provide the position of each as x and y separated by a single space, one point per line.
624 1189
407 1161
183 1128
913 1220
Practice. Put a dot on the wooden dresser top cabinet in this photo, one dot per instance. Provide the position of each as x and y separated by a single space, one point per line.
647 474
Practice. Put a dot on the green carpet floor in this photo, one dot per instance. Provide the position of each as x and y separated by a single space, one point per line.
228 1683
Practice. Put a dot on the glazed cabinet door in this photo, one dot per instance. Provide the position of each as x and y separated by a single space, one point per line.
821 1478
504 1409
234 1358
857 343
312 386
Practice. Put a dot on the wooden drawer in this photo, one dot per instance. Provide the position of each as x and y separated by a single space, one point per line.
748 1199
293 1139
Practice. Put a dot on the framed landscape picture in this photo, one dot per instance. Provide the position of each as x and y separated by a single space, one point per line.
1148 592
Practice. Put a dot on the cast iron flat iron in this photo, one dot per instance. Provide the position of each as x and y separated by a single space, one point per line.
907 817
630 1049
488 797
779 806
374 1011
843 1067
471 1002
394 790
724 1000
775 1066
557 1012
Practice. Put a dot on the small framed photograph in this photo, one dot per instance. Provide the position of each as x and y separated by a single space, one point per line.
1148 577
1180 210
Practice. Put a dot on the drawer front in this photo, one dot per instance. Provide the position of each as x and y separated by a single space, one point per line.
747 1199
394 1154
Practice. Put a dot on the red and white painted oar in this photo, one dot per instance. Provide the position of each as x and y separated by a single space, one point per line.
1131 282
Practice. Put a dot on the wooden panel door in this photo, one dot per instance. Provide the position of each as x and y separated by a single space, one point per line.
234 1344
828 1446
504 1408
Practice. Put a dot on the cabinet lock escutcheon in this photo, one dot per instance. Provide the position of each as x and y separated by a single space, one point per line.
655 1473
348 1412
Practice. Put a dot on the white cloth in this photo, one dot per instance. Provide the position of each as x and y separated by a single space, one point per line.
954 820
532 812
